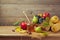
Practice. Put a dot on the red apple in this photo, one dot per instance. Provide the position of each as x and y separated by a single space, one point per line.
23 25
46 14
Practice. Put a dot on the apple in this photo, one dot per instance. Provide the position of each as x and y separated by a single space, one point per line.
38 29
23 25
35 19
46 14
54 19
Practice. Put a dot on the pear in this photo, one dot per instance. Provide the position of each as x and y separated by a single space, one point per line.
35 19
38 29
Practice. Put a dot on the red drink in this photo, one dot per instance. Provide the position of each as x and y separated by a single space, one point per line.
30 28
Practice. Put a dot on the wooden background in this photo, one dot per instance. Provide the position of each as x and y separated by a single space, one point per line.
12 10
27 38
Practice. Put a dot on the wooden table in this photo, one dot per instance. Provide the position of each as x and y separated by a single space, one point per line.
7 34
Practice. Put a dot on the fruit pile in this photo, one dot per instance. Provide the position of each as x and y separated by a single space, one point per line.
42 22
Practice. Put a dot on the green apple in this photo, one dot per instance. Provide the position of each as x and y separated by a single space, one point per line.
35 19
54 19
38 29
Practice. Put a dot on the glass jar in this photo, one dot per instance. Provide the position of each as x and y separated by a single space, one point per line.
30 28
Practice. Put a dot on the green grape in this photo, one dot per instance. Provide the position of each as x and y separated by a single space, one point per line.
45 24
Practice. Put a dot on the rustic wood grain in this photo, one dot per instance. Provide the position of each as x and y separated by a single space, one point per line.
7 34
10 13
51 38
30 1
12 10
10 38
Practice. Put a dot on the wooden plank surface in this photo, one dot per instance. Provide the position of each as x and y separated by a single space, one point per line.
10 13
12 10
7 31
30 1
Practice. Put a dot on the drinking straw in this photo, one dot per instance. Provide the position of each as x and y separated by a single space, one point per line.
26 16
